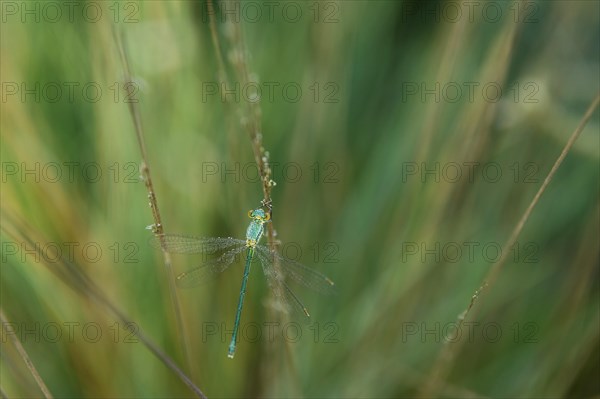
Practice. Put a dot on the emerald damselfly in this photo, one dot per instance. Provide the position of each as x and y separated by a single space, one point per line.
276 268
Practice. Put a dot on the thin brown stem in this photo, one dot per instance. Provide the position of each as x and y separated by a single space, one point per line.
212 23
251 121
72 276
23 353
493 273
449 350
250 115
157 227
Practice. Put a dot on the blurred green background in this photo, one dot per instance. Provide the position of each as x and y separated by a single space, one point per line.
370 117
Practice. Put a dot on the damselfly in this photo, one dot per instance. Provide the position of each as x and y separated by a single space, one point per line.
276 268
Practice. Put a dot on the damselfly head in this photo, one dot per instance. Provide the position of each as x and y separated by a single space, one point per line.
259 214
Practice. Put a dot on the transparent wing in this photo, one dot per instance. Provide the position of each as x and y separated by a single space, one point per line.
182 244
286 300
208 270
306 276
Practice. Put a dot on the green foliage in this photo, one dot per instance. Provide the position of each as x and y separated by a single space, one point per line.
353 197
